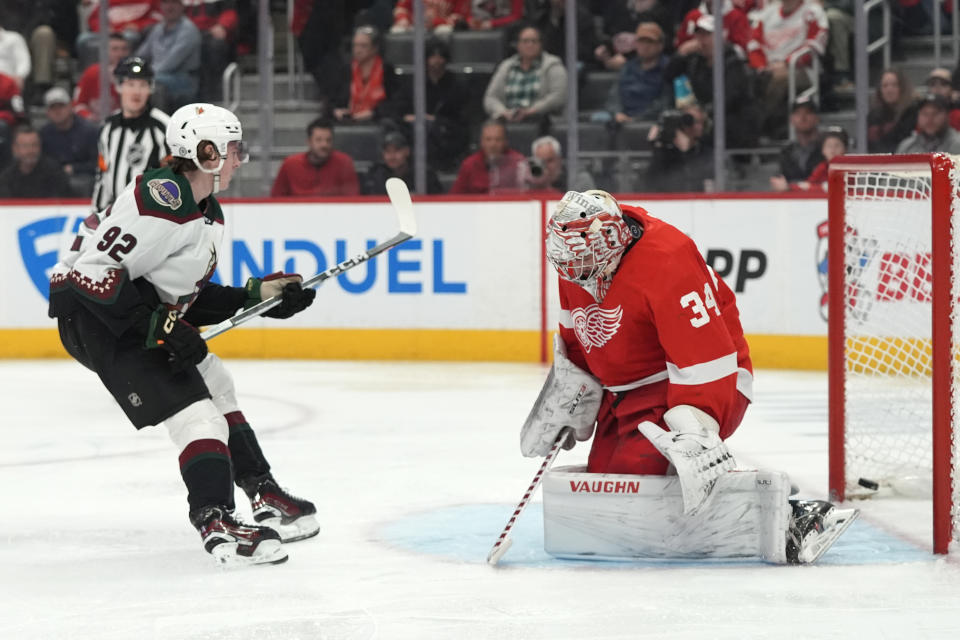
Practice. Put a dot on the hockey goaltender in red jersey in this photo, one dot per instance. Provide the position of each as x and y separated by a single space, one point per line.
651 357
128 296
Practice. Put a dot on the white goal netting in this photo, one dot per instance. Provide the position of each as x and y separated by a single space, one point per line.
888 340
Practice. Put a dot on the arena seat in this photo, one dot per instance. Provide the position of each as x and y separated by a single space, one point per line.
595 88
632 136
359 141
520 135
398 49
591 136
477 47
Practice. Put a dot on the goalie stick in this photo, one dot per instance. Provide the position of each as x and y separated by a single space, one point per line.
503 543
402 205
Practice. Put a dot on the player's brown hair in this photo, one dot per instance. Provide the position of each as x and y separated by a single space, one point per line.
206 150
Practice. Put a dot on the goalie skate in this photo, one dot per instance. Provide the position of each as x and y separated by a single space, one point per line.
292 517
814 526
233 543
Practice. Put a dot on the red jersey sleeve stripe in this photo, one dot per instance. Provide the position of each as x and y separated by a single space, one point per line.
703 372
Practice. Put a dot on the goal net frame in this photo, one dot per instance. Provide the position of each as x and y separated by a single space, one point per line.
942 170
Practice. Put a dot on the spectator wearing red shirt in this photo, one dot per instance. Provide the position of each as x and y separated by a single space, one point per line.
320 171
129 17
783 29
86 96
217 22
369 85
495 168
493 14
736 28
11 113
442 16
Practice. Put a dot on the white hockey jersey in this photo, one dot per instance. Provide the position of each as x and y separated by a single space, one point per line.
153 231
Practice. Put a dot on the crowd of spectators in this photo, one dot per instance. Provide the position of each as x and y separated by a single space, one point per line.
657 57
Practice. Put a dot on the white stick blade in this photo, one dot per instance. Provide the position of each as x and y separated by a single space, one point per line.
498 552
400 198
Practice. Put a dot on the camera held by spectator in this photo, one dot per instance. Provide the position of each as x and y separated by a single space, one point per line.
670 123
535 167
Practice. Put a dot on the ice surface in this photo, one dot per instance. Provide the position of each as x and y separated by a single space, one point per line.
415 468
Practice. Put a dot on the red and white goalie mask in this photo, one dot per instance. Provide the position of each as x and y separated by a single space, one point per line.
586 237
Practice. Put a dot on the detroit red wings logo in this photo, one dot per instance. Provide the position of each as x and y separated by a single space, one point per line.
595 326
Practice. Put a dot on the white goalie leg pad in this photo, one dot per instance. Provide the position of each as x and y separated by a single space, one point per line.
570 397
693 446
201 420
219 383
621 517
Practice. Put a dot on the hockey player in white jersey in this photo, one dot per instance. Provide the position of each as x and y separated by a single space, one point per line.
127 297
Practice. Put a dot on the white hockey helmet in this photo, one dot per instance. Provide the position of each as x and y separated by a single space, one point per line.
586 237
194 123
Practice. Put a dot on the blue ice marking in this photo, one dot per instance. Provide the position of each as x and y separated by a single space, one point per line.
465 533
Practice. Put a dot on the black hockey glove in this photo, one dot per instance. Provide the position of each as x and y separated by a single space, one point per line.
164 329
294 297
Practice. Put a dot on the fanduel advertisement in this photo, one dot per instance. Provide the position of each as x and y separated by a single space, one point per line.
461 271
473 265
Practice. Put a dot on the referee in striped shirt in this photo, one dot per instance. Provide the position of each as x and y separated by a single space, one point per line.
132 139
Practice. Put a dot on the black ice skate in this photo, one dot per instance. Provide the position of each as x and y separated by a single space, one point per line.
814 526
234 543
290 516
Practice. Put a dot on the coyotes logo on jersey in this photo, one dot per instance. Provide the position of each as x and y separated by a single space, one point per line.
594 326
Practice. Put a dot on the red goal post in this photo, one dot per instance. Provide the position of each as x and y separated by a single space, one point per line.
894 328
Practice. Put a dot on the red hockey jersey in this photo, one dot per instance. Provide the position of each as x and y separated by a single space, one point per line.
667 318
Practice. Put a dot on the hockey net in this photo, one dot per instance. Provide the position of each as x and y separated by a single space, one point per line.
894 330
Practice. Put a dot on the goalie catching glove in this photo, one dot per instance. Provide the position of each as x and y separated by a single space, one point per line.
164 329
295 298
570 397
694 447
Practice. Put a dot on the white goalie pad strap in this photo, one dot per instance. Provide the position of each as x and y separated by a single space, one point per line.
570 397
201 420
623 517
219 383
693 446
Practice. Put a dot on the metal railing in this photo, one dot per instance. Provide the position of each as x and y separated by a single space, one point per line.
884 40
813 73
232 86
294 60
937 36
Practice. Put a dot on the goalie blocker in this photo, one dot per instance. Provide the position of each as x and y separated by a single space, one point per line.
617 517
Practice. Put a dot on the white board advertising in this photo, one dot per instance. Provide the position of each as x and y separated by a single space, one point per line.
473 265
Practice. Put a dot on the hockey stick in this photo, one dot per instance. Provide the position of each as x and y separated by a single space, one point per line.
399 198
503 543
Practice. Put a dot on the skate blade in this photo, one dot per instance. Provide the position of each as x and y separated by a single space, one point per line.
300 529
268 552
840 520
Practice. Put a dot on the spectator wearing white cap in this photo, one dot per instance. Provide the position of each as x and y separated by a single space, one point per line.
68 138
940 82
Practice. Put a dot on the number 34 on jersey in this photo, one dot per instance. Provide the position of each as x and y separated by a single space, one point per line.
700 307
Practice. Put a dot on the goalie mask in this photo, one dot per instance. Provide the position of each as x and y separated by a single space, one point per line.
586 237
195 123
